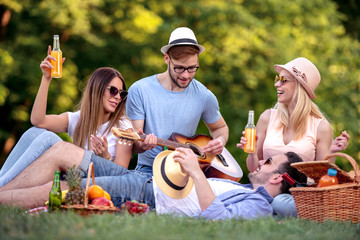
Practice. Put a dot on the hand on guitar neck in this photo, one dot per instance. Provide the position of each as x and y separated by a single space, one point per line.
211 164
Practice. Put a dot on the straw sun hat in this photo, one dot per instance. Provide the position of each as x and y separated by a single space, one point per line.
169 176
182 36
305 72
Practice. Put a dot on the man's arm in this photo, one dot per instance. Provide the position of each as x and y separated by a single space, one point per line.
242 203
190 165
149 142
219 131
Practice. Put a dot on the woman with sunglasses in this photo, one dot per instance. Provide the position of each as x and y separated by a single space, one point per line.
295 123
102 107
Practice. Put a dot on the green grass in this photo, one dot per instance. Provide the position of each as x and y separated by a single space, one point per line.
16 224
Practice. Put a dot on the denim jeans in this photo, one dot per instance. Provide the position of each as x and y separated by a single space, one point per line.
32 144
284 205
122 184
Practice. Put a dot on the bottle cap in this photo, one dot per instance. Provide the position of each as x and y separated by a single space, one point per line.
332 172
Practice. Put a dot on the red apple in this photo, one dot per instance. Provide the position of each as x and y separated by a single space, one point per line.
101 201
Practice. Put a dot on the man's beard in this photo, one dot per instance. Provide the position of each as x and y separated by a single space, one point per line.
259 178
173 79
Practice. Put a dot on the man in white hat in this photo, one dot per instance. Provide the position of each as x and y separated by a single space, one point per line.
174 101
178 186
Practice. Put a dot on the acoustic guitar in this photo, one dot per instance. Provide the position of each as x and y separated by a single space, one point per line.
214 166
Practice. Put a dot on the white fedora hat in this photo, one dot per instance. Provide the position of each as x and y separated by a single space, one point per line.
182 36
169 177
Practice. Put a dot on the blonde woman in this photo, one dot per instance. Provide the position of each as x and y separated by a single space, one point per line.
295 123
102 107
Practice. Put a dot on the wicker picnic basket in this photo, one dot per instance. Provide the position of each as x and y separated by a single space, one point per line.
339 202
88 209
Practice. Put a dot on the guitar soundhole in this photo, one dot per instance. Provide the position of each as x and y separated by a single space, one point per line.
196 150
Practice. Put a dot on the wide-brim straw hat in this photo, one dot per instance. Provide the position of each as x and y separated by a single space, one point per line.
182 36
305 72
169 176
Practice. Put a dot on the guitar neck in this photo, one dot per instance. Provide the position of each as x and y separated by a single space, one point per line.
163 142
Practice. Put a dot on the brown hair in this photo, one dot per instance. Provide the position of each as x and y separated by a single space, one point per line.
92 109
181 51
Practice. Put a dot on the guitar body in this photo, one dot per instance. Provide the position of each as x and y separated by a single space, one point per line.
196 143
211 165
214 166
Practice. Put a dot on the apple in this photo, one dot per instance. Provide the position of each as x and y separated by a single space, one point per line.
101 201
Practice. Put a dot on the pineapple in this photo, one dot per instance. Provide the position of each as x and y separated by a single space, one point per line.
76 194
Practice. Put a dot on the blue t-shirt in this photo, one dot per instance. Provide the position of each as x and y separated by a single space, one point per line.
166 111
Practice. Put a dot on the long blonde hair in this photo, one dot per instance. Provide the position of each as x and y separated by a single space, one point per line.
304 108
92 109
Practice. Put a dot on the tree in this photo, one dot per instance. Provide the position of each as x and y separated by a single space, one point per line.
243 40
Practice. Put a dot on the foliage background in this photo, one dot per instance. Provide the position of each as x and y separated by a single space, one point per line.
243 40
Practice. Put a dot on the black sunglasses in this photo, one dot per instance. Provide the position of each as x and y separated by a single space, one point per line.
114 91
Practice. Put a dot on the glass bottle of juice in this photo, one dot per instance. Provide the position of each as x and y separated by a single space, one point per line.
55 194
329 179
250 134
56 72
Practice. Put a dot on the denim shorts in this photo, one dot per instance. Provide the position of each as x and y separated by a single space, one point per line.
122 184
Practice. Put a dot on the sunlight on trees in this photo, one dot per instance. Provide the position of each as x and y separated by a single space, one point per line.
243 40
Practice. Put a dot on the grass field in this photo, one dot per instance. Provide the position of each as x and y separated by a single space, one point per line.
16 224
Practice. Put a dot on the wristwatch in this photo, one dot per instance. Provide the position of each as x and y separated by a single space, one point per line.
111 159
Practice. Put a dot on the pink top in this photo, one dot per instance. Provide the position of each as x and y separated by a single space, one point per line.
274 143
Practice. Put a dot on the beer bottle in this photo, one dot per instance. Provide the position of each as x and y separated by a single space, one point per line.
55 194
166 148
250 134
56 72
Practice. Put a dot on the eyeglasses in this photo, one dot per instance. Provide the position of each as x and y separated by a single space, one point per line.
114 91
182 69
284 175
282 80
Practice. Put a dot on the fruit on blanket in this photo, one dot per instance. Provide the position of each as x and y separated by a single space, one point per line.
95 191
101 201
63 194
75 194
107 195
134 207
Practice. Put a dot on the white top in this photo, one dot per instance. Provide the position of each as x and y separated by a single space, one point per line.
188 206
124 124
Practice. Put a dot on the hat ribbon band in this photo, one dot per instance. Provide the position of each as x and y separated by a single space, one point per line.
183 40
298 73
167 180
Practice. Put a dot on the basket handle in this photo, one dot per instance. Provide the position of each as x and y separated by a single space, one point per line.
91 172
351 160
